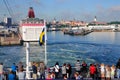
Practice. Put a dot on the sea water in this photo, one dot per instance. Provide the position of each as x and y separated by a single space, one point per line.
96 47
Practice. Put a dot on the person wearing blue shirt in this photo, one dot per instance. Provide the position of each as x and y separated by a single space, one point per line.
14 69
11 76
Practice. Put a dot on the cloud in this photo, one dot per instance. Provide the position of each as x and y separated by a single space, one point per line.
88 17
115 8
103 14
37 2
108 14
114 13
66 15
61 1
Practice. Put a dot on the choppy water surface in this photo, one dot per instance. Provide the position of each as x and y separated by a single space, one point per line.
100 47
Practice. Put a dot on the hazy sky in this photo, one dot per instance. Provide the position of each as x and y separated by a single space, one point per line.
84 10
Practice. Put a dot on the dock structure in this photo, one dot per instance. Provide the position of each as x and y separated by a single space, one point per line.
9 38
77 32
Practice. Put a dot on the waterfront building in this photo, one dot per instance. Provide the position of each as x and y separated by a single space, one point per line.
97 25
8 21
74 23
95 22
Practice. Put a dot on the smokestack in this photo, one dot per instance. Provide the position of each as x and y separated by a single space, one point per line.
31 13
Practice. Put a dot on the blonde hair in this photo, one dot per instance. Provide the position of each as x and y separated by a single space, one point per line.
102 64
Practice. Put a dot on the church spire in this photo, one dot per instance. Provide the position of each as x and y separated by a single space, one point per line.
95 19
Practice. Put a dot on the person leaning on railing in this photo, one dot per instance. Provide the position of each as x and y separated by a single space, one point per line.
34 68
118 68
1 71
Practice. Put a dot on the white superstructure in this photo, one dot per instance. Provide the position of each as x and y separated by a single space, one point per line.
31 28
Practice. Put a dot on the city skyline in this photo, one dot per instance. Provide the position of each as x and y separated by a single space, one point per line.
84 10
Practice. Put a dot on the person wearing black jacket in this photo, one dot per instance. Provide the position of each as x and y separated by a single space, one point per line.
34 68
118 68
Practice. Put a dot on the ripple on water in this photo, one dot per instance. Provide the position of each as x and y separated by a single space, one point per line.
65 48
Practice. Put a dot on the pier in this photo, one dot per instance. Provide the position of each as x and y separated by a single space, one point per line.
9 38
77 32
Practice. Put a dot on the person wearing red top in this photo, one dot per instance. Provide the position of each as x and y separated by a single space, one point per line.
92 70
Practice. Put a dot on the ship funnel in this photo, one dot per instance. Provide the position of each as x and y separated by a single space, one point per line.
31 13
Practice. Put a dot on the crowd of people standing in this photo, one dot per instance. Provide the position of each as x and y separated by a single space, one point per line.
13 73
80 71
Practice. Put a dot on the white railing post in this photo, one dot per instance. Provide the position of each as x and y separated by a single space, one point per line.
27 61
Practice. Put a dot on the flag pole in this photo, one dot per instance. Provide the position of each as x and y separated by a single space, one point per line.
27 60
45 44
